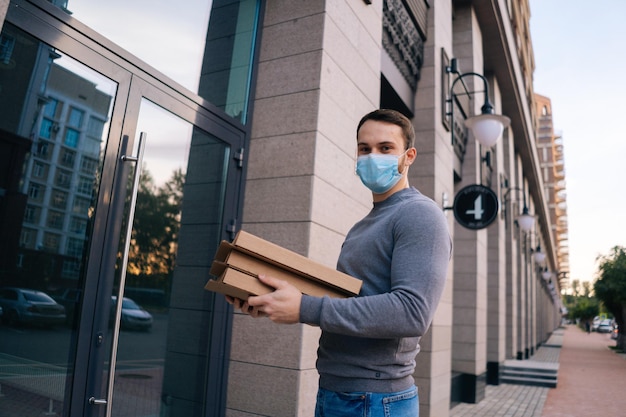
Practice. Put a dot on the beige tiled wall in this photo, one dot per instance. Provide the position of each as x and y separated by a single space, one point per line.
319 73
4 5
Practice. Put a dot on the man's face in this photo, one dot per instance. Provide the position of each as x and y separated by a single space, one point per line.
380 138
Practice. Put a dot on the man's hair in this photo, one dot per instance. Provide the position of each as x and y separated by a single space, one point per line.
393 117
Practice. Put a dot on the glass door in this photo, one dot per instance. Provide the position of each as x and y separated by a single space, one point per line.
159 349
56 118
105 246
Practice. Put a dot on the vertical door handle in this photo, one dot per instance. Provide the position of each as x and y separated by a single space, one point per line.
138 159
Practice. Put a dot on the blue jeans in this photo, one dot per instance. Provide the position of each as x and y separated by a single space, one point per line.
367 404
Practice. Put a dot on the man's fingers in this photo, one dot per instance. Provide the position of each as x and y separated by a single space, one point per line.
258 300
262 300
272 282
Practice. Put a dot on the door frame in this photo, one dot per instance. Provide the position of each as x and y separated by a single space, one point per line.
135 81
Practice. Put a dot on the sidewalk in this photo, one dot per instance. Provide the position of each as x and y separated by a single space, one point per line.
591 378
591 382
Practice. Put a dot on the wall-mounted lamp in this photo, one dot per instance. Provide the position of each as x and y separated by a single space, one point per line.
538 256
526 221
487 127
562 275
546 275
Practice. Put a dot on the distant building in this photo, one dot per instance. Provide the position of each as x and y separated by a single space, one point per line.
550 147
60 177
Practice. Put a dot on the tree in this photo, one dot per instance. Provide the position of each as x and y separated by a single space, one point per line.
156 225
587 287
610 287
583 308
576 288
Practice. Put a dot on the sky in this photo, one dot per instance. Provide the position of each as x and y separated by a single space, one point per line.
580 64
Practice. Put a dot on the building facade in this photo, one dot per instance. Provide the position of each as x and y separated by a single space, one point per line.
167 129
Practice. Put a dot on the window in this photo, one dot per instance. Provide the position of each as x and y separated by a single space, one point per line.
51 242
81 205
85 185
50 109
31 214
78 225
35 191
63 178
75 118
95 127
45 131
89 165
75 247
55 220
43 149
7 43
59 199
71 270
40 170
27 238
67 158
71 138
228 56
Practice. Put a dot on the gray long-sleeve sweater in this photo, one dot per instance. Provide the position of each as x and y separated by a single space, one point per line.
401 251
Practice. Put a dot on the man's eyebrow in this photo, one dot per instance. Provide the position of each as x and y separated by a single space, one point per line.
386 142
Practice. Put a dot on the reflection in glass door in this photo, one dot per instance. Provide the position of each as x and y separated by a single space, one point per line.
63 186
160 368
53 130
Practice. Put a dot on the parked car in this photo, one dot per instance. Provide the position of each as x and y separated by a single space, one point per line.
70 299
606 326
134 317
26 306
595 324
615 333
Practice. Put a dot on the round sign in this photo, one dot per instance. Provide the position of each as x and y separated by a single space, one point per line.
475 206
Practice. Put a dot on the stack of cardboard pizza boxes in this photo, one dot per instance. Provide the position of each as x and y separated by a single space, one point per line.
237 266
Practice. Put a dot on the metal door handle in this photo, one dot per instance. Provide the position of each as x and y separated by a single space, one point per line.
94 401
118 307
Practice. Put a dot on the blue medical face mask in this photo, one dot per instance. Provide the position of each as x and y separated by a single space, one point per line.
378 172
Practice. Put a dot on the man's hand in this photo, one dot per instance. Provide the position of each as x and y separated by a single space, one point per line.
281 305
244 306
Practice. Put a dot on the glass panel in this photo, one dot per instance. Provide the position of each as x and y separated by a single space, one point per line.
228 56
162 357
213 38
43 238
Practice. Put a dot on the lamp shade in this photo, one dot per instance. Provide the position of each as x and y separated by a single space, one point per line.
487 128
546 275
539 257
526 221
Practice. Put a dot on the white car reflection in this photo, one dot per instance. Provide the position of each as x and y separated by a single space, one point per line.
134 317
26 306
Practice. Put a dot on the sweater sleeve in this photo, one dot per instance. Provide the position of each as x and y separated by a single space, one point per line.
419 262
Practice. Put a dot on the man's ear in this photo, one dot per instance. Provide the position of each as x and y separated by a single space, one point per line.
411 154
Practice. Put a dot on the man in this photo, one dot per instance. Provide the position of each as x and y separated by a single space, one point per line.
400 251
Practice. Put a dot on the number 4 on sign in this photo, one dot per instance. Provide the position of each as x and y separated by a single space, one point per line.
478 208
